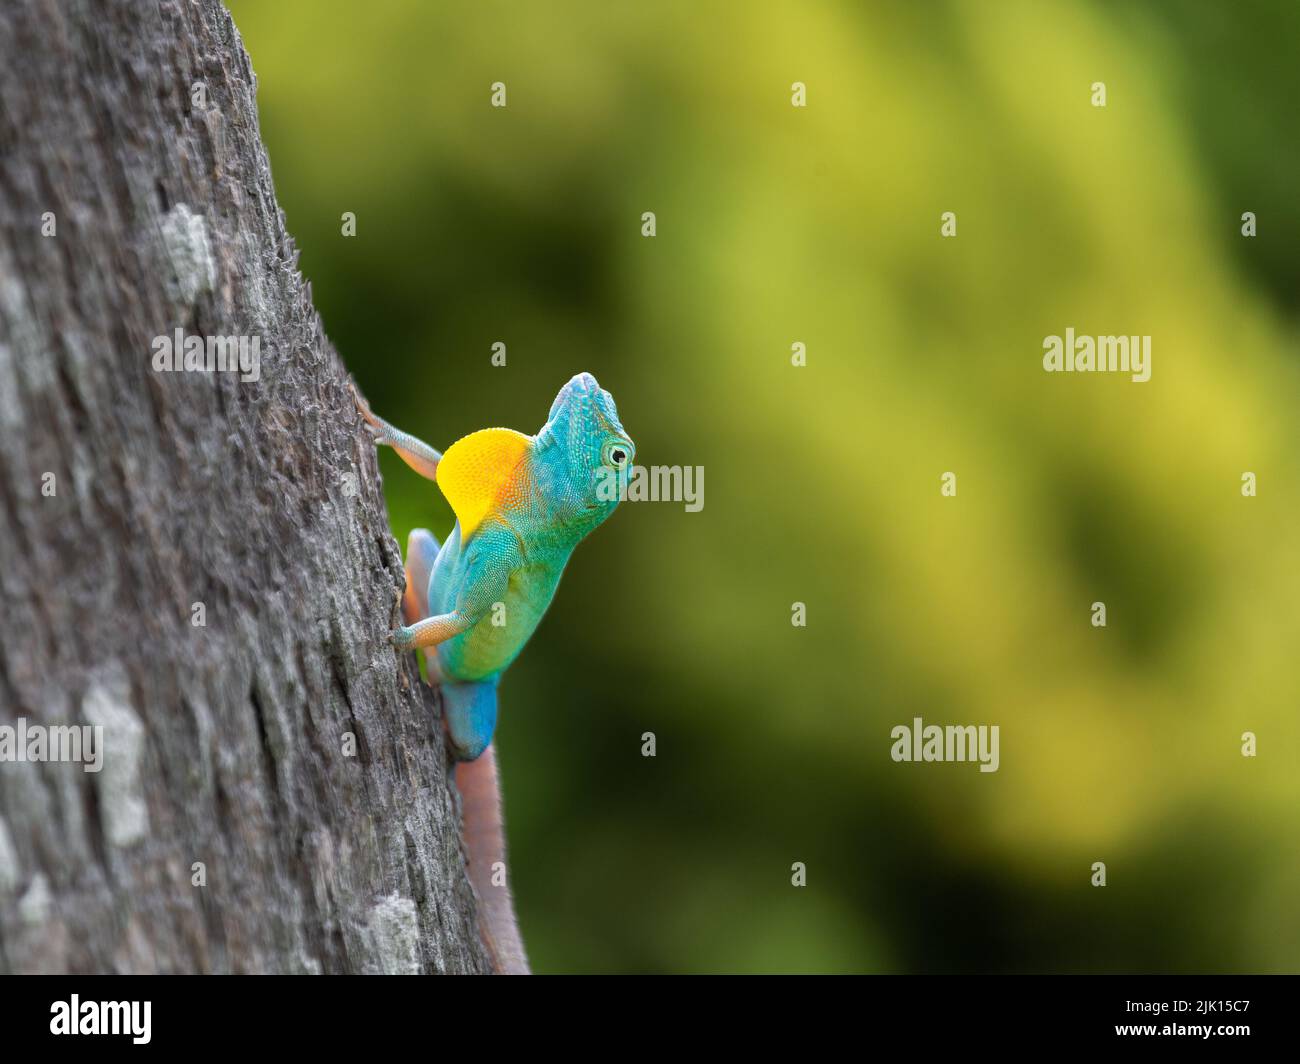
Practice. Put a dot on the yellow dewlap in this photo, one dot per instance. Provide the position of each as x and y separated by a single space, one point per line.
476 470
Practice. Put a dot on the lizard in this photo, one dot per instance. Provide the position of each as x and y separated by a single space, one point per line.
522 504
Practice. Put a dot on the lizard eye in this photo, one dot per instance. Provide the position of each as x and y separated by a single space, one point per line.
616 455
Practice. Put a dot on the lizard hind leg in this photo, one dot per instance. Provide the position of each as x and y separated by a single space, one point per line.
421 552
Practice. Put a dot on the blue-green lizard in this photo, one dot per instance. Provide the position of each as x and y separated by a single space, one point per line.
522 503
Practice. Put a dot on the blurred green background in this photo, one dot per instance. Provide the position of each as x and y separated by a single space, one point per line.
821 225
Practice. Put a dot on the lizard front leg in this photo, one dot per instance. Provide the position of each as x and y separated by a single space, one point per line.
432 630
492 557
421 556
413 451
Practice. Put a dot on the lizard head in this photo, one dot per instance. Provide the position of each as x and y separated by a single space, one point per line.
584 454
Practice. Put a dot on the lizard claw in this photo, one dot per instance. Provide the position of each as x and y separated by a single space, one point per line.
363 408
378 428
403 638
381 432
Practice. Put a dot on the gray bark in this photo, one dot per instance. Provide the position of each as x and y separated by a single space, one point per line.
226 744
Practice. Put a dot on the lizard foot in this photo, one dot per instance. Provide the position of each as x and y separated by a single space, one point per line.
380 431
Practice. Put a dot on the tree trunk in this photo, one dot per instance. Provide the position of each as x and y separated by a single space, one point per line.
194 561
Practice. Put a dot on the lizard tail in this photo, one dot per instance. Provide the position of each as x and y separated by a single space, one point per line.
471 715
485 846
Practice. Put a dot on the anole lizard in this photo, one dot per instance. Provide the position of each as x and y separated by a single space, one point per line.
522 503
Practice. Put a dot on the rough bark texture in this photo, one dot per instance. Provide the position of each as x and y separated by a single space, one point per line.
225 744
